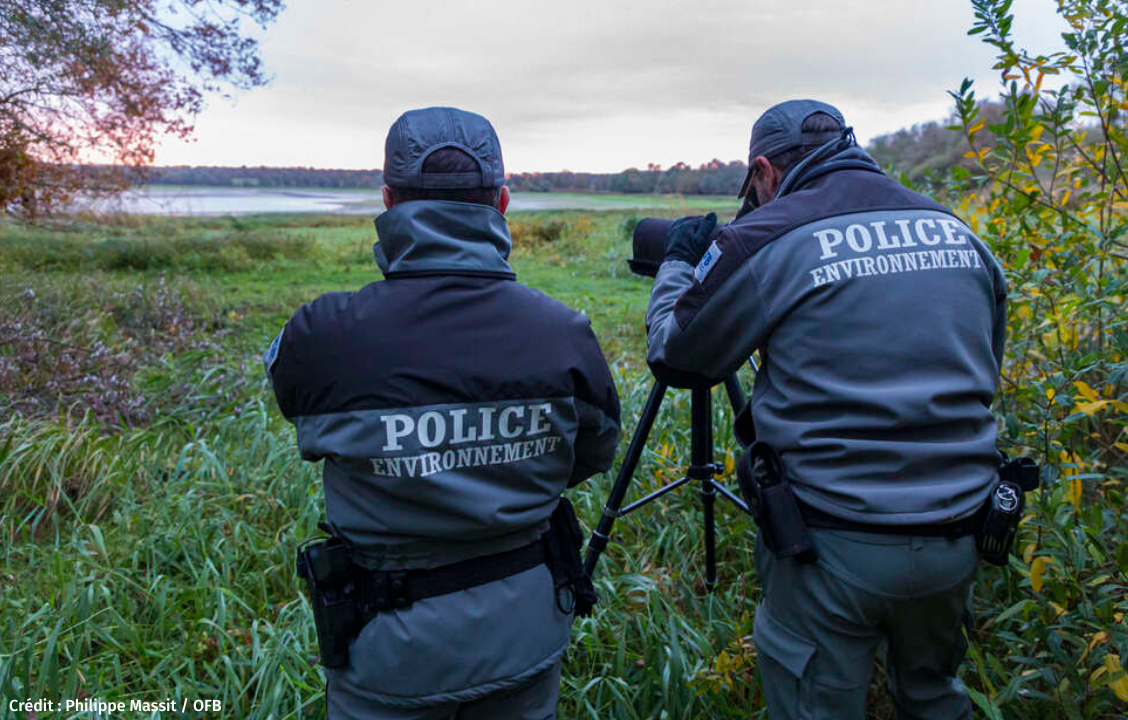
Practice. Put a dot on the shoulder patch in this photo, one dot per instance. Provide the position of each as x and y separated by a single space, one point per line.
271 355
707 263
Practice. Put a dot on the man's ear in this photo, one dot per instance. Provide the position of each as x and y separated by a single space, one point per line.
389 201
766 181
503 199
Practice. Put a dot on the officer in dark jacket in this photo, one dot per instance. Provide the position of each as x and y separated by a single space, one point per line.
451 406
880 318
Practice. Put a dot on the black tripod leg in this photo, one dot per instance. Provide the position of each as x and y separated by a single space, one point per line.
701 460
742 426
708 499
735 394
602 533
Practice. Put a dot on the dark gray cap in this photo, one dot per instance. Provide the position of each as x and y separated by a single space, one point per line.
780 129
418 133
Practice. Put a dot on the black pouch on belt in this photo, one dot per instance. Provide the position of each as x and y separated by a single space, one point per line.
562 545
1004 507
763 483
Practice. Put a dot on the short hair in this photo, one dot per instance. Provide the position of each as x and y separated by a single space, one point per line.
818 122
443 161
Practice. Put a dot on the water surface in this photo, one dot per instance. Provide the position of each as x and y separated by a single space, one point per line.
181 201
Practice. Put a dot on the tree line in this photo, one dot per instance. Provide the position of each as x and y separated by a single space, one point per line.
924 153
269 177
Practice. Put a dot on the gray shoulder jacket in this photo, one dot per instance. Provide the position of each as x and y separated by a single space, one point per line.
451 406
881 320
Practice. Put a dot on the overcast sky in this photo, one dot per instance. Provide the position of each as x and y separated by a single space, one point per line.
597 85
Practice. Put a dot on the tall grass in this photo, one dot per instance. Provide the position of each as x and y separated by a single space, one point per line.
160 562
167 573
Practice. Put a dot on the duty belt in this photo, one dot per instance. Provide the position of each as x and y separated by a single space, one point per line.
384 590
345 596
960 528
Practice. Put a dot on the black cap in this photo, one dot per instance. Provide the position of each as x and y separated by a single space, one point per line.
780 129
418 133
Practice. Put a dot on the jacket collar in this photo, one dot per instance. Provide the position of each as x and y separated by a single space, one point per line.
846 156
443 237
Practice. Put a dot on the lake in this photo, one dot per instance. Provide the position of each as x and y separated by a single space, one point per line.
178 200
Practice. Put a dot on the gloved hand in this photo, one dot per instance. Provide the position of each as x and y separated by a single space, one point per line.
688 238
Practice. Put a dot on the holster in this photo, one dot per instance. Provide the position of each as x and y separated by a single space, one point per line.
562 544
768 494
324 563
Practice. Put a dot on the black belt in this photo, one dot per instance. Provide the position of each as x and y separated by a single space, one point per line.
383 590
960 528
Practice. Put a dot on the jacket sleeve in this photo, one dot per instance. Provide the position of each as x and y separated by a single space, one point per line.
999 330
707 320
273 358
999 336
288 359
999 284
597 407
296 360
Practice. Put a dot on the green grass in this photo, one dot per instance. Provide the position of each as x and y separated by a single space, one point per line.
154 558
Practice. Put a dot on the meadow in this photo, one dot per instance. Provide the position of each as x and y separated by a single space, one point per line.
151 496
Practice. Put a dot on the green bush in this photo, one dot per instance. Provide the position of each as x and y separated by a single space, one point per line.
1051 641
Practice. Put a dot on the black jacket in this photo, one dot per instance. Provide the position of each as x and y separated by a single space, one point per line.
450 402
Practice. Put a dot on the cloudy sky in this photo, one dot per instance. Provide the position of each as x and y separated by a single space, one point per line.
598 85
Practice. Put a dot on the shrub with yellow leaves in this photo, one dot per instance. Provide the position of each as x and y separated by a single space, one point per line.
1049 194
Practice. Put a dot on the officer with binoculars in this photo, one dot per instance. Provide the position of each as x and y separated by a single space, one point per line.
880 318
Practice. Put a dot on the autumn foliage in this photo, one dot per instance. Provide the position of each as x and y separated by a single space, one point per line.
1047 188
101 80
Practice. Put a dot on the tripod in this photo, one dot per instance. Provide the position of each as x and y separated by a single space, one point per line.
701 467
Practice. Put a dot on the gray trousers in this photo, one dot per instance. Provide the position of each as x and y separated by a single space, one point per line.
820 625
535 700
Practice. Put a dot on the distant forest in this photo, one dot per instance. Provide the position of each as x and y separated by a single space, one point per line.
263 177
923 153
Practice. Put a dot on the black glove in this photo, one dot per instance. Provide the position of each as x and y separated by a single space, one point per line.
688 238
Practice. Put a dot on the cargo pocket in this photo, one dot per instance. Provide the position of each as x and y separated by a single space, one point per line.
785 661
